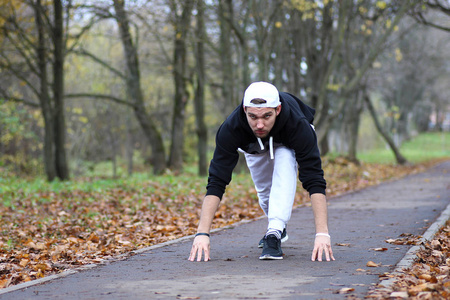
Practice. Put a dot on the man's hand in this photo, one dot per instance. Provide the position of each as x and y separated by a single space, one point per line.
322 245
200 245
201 242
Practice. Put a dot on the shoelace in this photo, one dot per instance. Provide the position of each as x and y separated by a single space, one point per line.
272 241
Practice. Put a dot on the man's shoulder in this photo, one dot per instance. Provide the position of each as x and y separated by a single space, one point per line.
298 106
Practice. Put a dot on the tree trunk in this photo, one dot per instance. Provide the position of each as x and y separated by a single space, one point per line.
135 92
398 156
354 118
130 145
44 98
240 32
226 54
181 93
202 131
62 168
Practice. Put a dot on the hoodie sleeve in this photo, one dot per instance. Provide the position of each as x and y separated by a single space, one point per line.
223 162
304 143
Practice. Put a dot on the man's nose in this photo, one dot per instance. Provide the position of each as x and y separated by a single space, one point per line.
260 124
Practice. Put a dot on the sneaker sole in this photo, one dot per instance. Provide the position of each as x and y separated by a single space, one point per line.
269 257
282 240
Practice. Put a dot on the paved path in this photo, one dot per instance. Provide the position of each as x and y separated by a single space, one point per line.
363 219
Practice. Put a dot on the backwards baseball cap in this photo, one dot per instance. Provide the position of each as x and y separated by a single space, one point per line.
261 94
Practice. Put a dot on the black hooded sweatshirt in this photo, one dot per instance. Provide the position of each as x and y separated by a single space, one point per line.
292 129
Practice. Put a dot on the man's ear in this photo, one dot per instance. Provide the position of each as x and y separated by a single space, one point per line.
278 109
243 106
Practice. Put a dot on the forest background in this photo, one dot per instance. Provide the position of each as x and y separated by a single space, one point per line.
108 110
144 85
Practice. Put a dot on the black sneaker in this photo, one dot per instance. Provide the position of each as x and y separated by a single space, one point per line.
284 238
271 248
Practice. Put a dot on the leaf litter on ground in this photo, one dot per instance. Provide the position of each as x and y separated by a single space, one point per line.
427 278
48 228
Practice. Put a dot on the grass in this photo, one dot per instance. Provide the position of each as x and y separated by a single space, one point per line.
424 147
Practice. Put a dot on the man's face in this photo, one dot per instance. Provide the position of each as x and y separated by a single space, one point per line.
261 119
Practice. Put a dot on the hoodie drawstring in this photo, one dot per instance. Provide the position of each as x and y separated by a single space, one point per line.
270 146
260 144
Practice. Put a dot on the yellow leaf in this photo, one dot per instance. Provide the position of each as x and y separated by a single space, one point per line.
398 55
41 267
381 4
83 120
333 87
388 23
363 10
278 24
39 274
77 110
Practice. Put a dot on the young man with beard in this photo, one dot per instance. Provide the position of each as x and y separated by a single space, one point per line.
274 131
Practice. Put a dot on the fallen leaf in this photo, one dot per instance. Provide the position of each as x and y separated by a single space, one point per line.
380 249
3 283
436 253
421 288
346 290
402 294
372 264
24 262
125 243
426 277
342 244
72 239
56 228
41 267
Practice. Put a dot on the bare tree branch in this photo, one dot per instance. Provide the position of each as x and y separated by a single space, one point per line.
100 61
436 5
422 20
10 67
157 37
100 96
7 97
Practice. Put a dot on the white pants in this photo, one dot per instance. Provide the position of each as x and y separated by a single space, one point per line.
276 183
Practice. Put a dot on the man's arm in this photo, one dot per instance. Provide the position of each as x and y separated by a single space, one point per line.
201 243
322 243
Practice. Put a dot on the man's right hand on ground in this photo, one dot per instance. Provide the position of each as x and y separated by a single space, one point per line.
200 246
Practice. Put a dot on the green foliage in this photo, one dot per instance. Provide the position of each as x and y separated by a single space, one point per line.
19 142
419 149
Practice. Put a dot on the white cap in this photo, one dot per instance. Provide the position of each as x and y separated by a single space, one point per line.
262 91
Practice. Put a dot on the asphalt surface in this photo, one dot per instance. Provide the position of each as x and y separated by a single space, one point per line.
359 222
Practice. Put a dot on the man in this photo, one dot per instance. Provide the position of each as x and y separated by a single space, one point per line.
274 131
